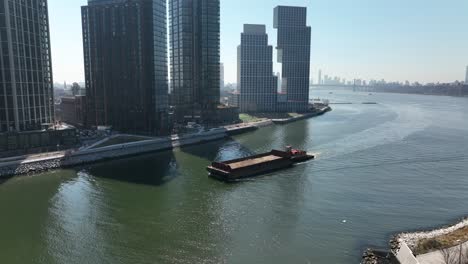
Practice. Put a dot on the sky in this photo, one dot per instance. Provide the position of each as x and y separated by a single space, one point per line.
395 40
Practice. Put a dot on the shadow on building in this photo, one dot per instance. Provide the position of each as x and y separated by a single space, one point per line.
38 141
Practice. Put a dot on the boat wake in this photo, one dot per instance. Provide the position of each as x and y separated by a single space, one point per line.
410 120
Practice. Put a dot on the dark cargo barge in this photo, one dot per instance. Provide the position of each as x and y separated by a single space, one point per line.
233 170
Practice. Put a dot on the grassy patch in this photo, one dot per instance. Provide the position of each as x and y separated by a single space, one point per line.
120 140
246 118
294 115
442 242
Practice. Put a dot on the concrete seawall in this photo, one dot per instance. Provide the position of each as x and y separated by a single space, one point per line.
40 163
302 117
48 161
405 255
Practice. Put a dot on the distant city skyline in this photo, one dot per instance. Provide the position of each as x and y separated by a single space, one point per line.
405 41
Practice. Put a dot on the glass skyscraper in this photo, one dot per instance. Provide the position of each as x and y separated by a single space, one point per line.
293 48
26 90
195 56
466 75
125 56
256 82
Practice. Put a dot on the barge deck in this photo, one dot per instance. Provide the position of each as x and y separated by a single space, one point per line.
234 170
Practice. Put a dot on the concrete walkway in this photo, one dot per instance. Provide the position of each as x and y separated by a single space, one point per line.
53 160
40 162
437 257
32 158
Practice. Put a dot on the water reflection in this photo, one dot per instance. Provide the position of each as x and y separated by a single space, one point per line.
77 215
302 135
233 150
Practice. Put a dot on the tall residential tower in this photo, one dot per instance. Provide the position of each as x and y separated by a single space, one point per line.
26 91
125 55
466 75
319 77
256 82
194 33
293 47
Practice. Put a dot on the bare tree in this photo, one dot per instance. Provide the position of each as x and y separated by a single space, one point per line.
464 250
451 255
455 255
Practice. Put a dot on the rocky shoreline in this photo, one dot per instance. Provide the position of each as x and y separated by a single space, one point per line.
371 256
404 244
30 168
412 239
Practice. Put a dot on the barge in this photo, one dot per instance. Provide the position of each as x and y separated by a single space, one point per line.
237 169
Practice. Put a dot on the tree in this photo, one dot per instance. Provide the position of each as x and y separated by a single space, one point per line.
450 255
75 89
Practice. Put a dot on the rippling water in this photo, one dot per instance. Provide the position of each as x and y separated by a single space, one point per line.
399 165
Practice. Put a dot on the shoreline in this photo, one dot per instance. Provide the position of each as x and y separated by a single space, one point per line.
301 117
24 165
404 244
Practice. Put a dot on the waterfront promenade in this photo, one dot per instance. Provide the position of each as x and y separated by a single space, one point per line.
42 162
54 160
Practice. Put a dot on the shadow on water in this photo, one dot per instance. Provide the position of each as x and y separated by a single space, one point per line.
4 180
152 169
207 151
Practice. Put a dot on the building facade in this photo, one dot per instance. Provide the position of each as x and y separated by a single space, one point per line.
233 99
293 47
221 76
256 81
319 82
71 110
125 56
194 33
466 75
26 90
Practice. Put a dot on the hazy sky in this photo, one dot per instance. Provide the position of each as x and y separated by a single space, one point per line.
415 40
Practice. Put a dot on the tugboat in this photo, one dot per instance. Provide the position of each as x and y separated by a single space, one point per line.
234 170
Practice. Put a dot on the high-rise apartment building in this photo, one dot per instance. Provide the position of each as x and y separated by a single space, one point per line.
26 90
195 57
320 77
278 75
256 82
221 76
125 55
466 75
293 47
